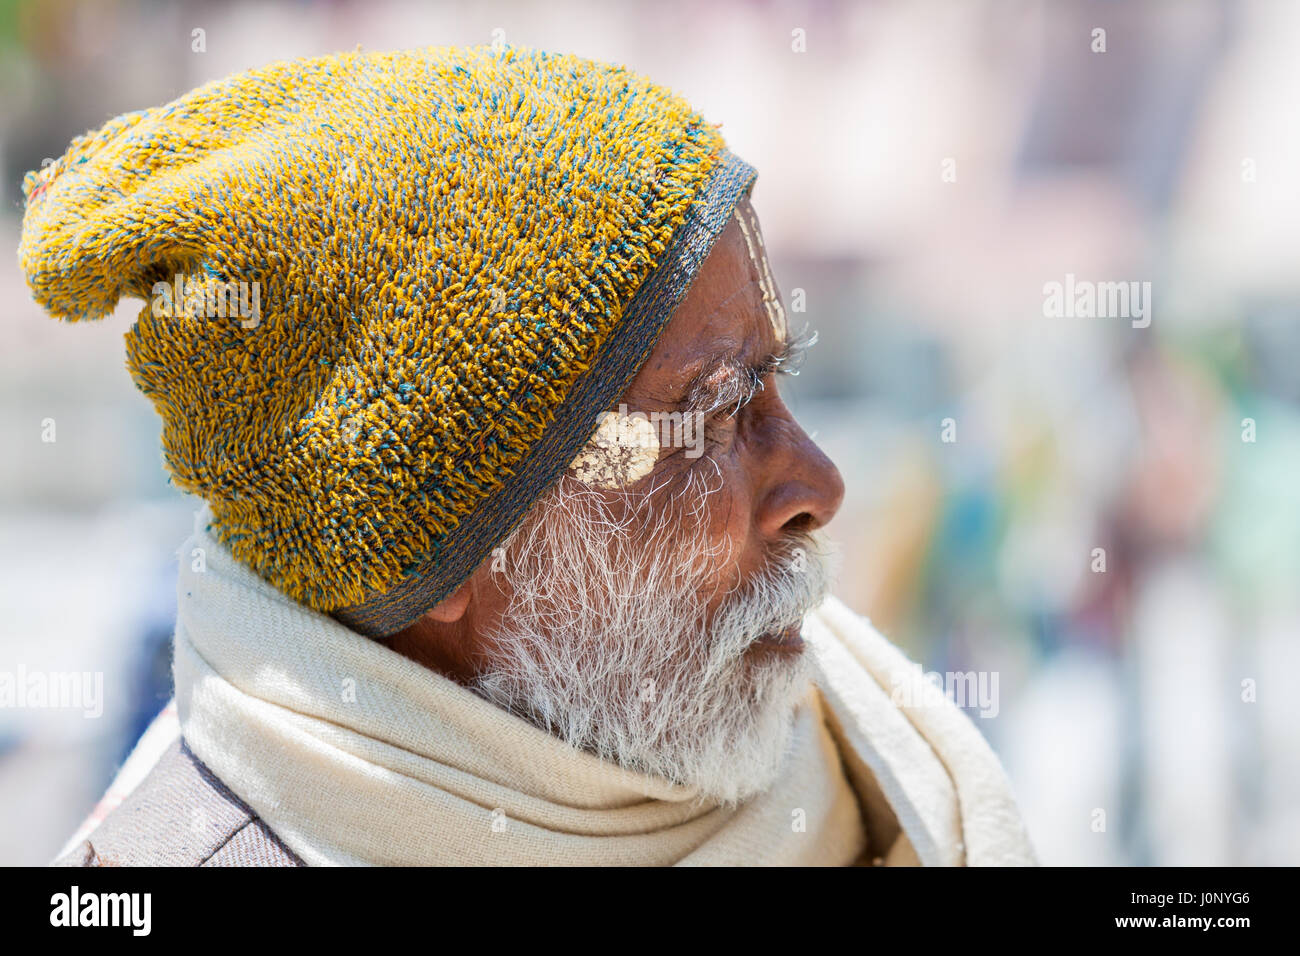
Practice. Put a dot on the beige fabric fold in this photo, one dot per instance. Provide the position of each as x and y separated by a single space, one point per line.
354 754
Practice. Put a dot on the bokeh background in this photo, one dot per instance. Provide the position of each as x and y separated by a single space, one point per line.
925 168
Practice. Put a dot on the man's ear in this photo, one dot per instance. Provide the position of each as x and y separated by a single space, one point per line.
452 608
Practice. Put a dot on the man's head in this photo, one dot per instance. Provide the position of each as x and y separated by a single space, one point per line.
385 296
647 609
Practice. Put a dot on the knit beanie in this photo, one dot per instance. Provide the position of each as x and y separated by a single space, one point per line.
387 296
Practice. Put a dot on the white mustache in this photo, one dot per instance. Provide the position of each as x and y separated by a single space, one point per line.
783 593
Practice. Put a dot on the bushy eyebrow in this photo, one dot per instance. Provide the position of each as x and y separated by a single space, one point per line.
733 384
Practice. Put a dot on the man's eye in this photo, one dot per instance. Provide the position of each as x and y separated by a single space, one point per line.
731 412
729 415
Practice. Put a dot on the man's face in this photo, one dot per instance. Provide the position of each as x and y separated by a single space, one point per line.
647 609
719 361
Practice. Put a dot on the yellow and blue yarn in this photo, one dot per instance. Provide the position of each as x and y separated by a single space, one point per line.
462 257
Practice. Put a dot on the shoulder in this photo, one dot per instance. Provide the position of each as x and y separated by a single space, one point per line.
834 621
180 814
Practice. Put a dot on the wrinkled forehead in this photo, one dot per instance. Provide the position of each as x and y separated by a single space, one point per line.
733 307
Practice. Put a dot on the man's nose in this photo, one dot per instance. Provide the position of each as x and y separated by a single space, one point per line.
803 487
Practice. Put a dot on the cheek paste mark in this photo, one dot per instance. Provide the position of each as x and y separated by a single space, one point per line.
758 256
623 450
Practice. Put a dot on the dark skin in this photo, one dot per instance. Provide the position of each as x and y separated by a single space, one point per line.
774 480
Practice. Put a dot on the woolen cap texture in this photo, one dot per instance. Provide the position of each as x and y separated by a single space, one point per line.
387 295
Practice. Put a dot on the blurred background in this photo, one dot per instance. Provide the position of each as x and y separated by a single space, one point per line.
1102 514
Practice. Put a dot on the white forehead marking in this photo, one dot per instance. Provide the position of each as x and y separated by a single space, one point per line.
758 256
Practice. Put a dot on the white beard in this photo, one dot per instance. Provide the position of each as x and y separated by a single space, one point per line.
607 641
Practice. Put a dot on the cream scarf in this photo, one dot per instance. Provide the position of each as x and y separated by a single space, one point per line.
354 754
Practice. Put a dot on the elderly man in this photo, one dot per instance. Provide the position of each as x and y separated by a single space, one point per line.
511 549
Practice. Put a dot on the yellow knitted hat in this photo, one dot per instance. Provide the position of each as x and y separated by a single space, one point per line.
387 295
